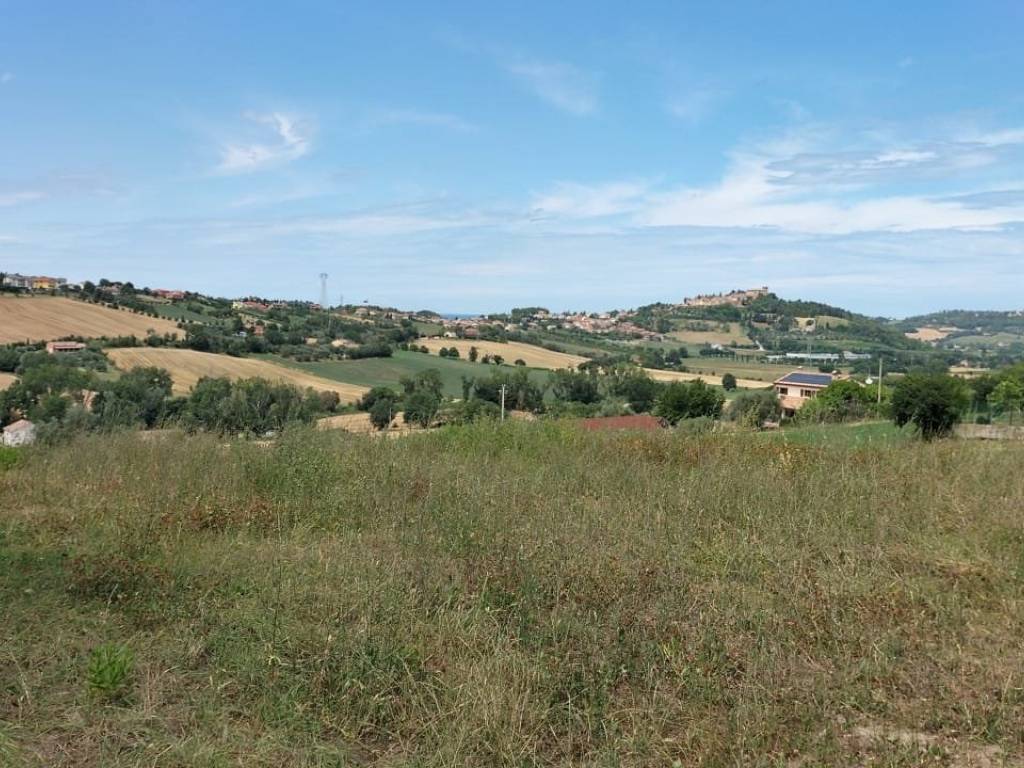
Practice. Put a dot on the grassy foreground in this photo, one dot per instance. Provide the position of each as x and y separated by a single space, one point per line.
515 595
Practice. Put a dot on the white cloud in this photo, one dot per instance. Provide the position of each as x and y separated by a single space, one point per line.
559 84
293 141
789 187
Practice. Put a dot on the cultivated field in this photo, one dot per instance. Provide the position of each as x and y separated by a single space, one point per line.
46 317
187 366
712 379
387 371
517 595
533 356
6 379
929 333
733 335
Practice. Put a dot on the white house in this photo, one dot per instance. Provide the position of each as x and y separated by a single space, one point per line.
22 432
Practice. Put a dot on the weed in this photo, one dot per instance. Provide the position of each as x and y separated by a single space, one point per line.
109 671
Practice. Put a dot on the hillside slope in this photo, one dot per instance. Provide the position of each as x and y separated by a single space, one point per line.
46 317
187 366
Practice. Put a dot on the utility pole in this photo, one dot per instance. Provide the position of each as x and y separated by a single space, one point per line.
879 378
503 388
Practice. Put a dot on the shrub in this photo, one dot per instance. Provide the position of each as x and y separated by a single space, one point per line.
754 408
728 382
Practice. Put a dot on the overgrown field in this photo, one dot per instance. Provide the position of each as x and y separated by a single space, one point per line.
517 594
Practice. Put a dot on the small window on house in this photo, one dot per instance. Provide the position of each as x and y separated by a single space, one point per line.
783 390
807 393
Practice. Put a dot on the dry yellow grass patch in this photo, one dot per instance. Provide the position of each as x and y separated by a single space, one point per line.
359 424
6 379
47 317
533 356
734 335
716 381
187 366
929 333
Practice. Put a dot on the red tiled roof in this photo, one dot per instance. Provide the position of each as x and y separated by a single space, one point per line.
639 422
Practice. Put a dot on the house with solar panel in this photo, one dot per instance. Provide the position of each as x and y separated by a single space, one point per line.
796 388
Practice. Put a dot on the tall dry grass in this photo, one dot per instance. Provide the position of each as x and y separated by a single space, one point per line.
523 594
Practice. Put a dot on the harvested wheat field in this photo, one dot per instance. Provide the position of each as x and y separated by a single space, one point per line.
732 335
6 379
929 333
533 356
359 424
659 375
47 317
187 366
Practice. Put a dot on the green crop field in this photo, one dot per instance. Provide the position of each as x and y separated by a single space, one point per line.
511 595
386 371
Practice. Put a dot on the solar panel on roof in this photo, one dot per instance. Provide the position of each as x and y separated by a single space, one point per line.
814 379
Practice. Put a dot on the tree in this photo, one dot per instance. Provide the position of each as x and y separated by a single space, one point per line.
381 413
932 402
728 382
474 353
521 393
754 408
1007 397
689 400
367 401
575 386
421 406
634 385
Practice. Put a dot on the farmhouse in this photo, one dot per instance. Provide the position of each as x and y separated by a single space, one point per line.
60 347
168 294
22 432
796 388
638 422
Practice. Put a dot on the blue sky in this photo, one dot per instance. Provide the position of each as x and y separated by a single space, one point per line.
477 156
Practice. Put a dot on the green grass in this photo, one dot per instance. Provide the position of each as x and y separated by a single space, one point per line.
386 371
517 595
859 435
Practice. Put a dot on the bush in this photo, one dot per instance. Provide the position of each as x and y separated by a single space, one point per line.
755 408
689 400
728 382
842 400
932 402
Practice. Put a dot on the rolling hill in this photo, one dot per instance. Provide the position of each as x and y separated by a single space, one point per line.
46 317
187 366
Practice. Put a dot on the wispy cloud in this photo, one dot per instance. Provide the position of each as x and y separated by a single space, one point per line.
6 77
293 140
53 186
695 105
561 85
792 185
390 116
589 201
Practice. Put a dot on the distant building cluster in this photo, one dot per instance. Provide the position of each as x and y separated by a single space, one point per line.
34 282
737 298
597 322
